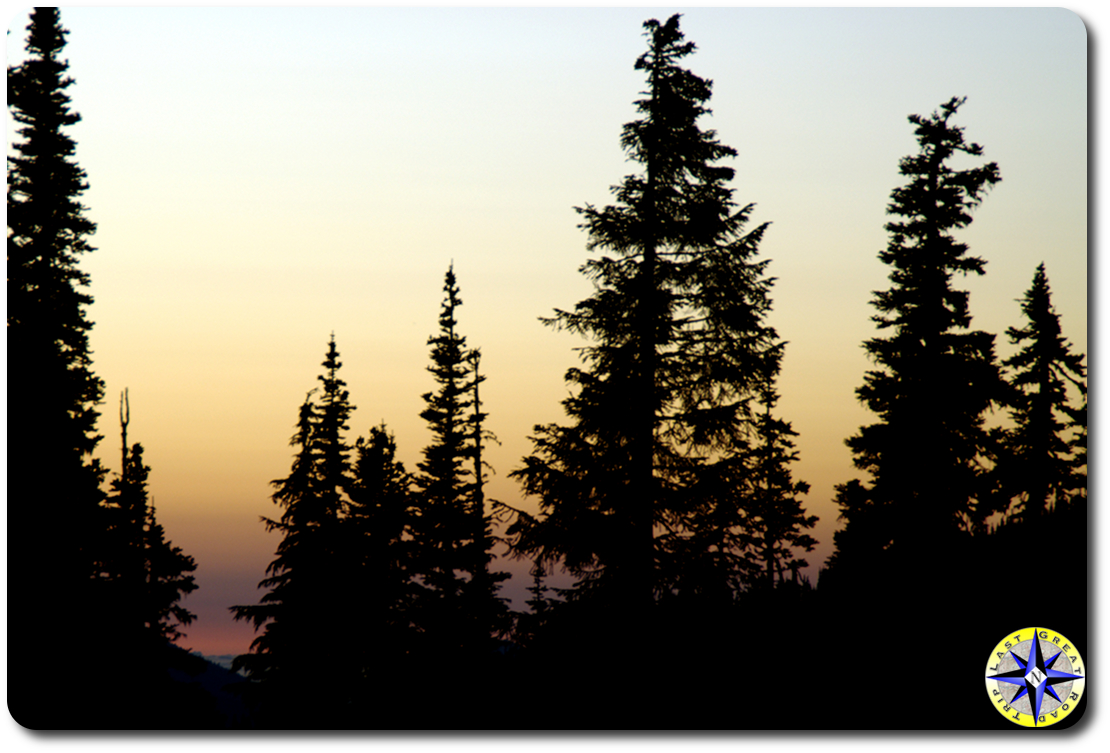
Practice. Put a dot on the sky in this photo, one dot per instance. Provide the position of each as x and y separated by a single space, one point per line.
263 178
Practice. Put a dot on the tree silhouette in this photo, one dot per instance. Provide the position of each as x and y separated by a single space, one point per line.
168 578
750 519
489 611
441 528
378 546
459 604
306 669
154 574
679 348
1042 464
936 378
776 521
330 449
56 528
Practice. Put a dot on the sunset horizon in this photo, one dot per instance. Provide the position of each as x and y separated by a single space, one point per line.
267 182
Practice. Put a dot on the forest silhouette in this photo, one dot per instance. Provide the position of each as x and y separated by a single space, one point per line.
666 493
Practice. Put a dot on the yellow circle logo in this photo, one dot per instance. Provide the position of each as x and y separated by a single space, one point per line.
1035 677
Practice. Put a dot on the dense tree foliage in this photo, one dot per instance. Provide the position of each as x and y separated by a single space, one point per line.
303 652
442 528
936 378
458 609
638 491
56 526
146 574
96 592
1043 466
378 549
775 518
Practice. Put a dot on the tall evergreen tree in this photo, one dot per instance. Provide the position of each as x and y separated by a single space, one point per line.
155 574
55 525
936 378
148 574
1042 464
481 591
679 348
330 448
441 529
452 533
304 665
277 610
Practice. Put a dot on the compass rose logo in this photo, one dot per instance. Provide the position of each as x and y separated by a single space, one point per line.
1035 677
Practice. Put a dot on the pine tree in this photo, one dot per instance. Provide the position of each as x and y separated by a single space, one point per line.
529 625
679 348
459 607
169 576
56 527
331 450
379 547
150 576
298 656
775 519
751 520
278 609
1041 466
442 529
123 558
936 378
490 611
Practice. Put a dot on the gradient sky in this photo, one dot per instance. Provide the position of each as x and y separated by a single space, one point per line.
262 178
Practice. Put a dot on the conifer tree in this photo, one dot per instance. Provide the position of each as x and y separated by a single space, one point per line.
276 647
169 577
1040 465
379 551
330 448
55 525
459 602
531 623
489 609
442 531
157 573
306 669
751 521
150 576
776 521
123 560
936 377
678 349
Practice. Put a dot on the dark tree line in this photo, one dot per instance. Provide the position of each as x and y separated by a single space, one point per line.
667 493
952 525
95 587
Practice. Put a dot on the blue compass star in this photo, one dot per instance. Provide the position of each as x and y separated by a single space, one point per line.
1035 676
